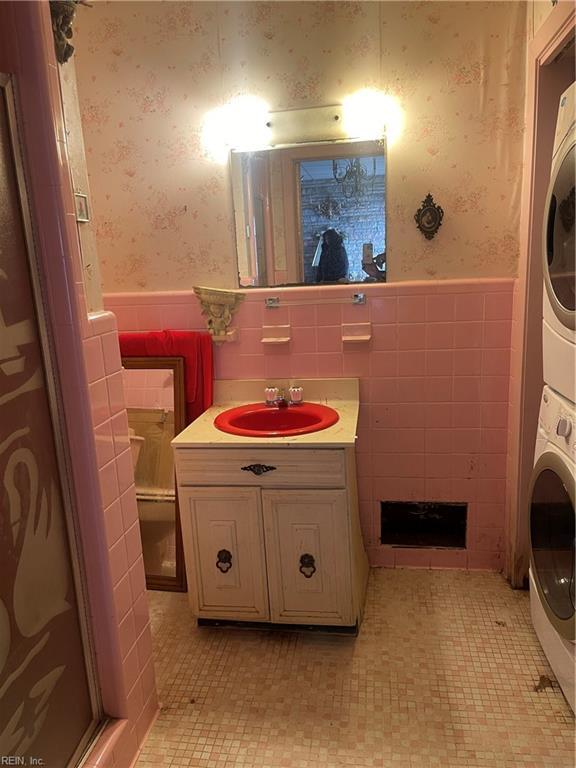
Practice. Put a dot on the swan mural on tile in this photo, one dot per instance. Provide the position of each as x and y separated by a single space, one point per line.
39 593
36 583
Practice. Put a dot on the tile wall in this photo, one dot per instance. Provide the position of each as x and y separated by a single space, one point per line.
120 512
434 382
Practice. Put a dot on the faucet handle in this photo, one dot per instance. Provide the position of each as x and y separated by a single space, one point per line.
271 395
296 395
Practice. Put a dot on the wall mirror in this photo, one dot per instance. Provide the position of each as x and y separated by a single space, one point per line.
154 392
310 213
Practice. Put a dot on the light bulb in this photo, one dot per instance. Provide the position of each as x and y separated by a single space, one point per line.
372 114
239 124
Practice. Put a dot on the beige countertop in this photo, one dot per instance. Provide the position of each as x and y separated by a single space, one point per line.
340 394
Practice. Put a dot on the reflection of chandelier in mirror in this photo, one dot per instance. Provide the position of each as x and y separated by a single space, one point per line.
355 180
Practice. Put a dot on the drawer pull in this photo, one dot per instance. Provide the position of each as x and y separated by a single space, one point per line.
258 469
224 561
307 566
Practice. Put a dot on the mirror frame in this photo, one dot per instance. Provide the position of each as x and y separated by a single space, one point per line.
175 583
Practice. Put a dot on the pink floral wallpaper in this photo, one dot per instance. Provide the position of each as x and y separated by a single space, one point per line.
149 71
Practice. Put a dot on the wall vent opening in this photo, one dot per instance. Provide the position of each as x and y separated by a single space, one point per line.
423 524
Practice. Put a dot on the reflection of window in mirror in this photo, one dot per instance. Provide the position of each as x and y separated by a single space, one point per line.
310 214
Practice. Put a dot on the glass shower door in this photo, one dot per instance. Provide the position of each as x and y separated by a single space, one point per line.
49 706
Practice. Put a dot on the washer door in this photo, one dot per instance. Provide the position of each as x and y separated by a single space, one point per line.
552 531
559 242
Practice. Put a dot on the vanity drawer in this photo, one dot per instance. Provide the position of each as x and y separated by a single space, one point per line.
276 468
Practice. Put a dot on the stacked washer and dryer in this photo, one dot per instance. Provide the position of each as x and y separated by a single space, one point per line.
553 485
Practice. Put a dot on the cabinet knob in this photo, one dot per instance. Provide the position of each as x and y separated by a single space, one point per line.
307 566
258 469
224 560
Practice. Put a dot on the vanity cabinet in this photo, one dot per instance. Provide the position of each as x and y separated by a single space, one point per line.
272 535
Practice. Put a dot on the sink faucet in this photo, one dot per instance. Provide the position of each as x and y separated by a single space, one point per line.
276 397
281 401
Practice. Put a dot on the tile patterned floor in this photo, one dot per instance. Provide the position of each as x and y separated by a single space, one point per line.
442 675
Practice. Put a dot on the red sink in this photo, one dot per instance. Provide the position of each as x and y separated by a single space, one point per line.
259 420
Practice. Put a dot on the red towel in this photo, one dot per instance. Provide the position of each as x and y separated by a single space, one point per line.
193 346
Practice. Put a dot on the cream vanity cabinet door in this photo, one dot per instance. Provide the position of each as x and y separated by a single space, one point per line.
308 555
224 549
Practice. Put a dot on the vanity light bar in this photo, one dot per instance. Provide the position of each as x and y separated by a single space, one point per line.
273 302
306 125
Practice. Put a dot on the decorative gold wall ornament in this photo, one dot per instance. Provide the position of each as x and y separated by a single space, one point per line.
219 305
62 13
429 217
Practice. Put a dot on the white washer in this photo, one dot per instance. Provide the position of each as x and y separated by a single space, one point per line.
558 336
552 532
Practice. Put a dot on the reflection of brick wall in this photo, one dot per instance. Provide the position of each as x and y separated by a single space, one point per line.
360 224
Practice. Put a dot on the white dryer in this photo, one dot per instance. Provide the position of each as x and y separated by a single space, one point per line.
558 335
552 532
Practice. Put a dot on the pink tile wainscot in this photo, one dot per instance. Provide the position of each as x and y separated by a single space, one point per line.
433 383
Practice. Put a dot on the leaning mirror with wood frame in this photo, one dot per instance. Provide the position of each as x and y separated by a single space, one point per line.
155 402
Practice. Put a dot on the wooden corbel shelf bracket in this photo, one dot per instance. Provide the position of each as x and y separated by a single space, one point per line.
218 306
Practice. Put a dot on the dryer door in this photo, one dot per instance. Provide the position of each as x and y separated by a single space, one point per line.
552 531
559 243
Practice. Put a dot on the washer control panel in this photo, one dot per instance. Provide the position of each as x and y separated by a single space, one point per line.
558 421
